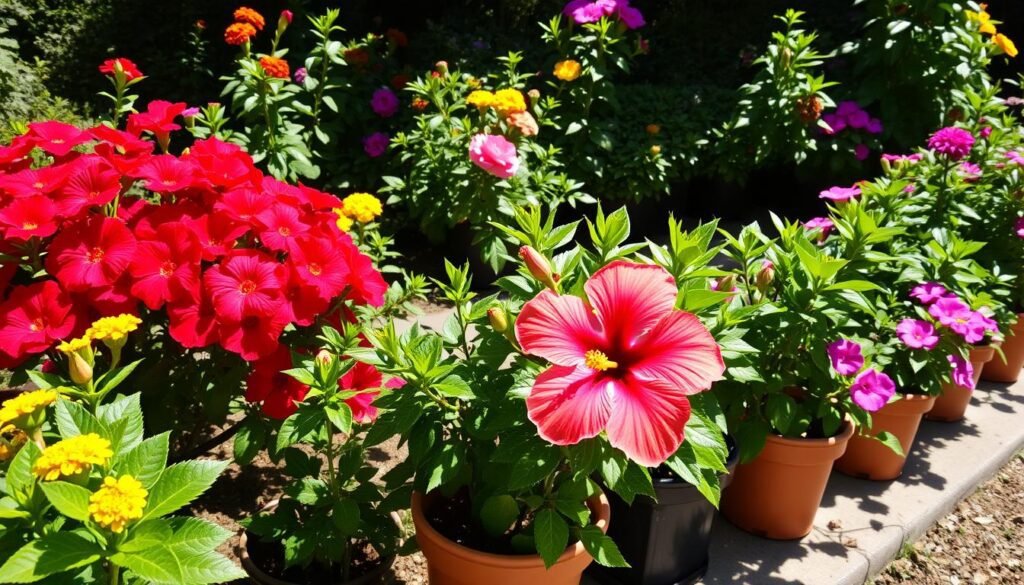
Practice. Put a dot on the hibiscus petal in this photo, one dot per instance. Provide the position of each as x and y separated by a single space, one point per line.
569 404
681 352
560 329
648 420
630 298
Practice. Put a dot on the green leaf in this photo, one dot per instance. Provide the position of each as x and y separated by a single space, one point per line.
249 441
207 567
551 534
195 535
146 461
340 415
854 285
179 484
124 419
455 387
73 420
345 516
298 426
147 535
70 500
601 547
684 464
574 509
19 474
891 441
626 478
158 564
780 409
498 513
113 379
54 553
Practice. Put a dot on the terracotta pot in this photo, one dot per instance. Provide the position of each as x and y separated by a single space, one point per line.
951 405
998 370
868 458
778 493
382 575
449 563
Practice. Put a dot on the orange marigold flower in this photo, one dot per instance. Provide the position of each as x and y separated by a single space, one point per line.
239 33
275 67
246 14
419 104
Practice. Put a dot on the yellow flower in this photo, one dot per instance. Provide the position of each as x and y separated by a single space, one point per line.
344 222
74 345
362 207
568 70
984 20
1005 44
508 101
25 405
11 440
480 98
474 82
113 328
72 456
118 502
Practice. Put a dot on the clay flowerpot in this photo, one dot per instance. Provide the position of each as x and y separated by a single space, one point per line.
1008 371
868 458
778 493
665 541
449 563
951 405
381 575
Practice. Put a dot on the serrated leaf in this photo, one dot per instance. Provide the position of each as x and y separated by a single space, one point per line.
601 547
179 484
146 461
53 553
69 499
551 535
73 420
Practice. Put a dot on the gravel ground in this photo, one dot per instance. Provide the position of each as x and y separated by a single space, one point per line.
980 542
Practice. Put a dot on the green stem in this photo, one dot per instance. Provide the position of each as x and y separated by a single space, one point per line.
264 95
115 573
332 477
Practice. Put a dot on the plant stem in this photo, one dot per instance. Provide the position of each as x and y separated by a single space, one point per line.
332 478
115 573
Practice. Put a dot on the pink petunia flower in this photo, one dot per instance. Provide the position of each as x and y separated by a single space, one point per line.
623 361
820 223
1018 227
917 334
951 312
872 390
963 371
969 171
846 357
841 194
929 292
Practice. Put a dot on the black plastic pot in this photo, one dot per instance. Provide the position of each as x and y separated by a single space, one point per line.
665 542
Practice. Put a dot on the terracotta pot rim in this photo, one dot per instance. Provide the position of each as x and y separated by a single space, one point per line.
802 443
908 405
982 353
599 505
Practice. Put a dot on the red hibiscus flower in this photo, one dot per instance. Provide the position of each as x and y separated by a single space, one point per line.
279 226
192 321
29 217
130 69
16 156
158 119
166 268
368 380
56 138
94 183
34 317
253 336
318 263
246 282
217 233
277 391
624 362
165 173
91 253
367 285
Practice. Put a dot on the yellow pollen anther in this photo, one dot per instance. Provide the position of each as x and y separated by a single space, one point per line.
597 360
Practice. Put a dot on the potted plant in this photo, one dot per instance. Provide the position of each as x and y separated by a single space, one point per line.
516 403
793 400
332 524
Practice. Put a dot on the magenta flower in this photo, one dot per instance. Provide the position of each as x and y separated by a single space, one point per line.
929 292
952 312
902 158
190 112
952 142
840 194
376 144
623 361
858 119
970 171
846 357
861 151
871 390
835 122
985 132
1015 157
586 11
1018 227
820 223
963 371
847 108
874 126
977 326
384 102
494 154
300 75
917 334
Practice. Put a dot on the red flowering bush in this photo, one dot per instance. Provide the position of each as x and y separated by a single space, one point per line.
205 248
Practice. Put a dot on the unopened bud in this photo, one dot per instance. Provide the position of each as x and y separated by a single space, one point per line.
324 357
538 266
726 283
286 15
80 370
786 57
765 276
534 95
498 319
442 67
656 150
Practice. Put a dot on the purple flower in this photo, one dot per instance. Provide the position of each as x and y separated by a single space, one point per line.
858 119
861 151
820 223
835 122
952 142
970 171
1019 227
384 102
963 371
874 126
300 75
848 108
929 292
977 326
917 334
840 194
1015 157
846 357
376 144
910 188
985 132
586 11
190 112
631 17
872 390
902 158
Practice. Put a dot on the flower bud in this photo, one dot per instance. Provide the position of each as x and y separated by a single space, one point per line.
653 129
726 283
534 95
786 57
287 16
80 370
324 357
886 166
442 67
765 276
538 266
656 150
498 319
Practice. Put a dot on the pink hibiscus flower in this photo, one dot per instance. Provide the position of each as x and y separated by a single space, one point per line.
623 361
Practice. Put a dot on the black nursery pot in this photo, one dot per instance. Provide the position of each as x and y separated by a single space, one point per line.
665 542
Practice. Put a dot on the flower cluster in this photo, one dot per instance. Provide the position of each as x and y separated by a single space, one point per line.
849 115
987 26
586 12
23 406
503 101
870 389
118 502
231 255
72 456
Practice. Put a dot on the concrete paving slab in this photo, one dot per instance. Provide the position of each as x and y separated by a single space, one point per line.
948 462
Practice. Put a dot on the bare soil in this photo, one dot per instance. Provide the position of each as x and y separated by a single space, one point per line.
980 543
